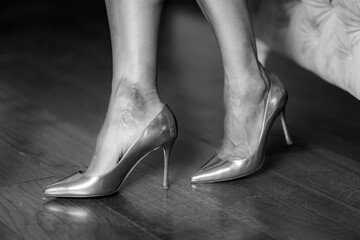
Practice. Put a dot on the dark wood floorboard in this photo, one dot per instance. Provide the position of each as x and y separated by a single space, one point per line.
7 233
55 72
38 218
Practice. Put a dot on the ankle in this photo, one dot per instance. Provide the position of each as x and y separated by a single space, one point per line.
251 85
134 96
250 90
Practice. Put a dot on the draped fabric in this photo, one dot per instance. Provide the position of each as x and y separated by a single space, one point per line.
321 35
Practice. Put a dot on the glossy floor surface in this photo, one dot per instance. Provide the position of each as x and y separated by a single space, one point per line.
55 72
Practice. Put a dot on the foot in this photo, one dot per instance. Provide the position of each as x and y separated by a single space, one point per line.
235 160
245 107
130 111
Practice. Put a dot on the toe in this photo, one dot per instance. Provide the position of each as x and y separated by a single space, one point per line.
214 170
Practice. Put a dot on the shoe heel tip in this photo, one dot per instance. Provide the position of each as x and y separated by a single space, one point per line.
165 187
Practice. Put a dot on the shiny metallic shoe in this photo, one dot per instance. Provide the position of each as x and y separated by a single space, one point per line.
217 169
160 133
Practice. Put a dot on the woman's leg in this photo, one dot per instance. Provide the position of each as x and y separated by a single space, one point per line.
134 100
245 83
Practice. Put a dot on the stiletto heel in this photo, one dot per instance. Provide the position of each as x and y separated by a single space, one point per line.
285 129
218 169
160 133
167 150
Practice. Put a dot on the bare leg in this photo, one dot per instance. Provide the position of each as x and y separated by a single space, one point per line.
245 82
134 100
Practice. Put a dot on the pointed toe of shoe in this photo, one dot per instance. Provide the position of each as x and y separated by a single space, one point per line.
53 191
218 170
58 189
67 187
197 177
201 177
215 170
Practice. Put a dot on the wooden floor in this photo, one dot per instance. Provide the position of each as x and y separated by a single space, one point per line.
55 73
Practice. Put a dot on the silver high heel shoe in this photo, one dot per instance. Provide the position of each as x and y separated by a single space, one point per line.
217 169
160 133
